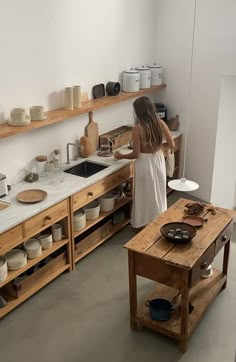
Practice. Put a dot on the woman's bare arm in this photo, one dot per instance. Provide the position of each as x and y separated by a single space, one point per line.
136 146
169 139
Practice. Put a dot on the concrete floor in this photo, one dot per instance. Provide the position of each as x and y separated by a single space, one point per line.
83 316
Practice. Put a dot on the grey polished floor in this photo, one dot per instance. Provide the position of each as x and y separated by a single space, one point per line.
83 316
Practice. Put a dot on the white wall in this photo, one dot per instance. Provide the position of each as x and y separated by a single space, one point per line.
224 173
47 45
214 57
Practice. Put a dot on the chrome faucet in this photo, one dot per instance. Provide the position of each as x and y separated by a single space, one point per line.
67 151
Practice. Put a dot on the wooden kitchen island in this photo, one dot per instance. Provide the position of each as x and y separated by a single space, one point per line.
178 270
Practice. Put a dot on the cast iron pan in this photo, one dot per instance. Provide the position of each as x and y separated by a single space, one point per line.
98 91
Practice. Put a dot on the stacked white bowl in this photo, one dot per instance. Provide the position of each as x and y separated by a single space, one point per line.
46 241
33 248
107 202
79 220
16 259
37 113
18 117
3 268
92 210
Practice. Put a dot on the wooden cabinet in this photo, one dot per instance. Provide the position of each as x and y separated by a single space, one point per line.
22 283
100 229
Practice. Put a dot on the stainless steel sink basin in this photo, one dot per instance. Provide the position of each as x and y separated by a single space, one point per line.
86 169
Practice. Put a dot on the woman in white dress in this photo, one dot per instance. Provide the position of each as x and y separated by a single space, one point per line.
150 170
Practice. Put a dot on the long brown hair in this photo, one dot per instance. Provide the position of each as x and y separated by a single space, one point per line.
149 122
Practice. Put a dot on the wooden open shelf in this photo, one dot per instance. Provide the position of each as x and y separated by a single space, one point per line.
60 114
90 248
14 302
12 274
201 296
103 215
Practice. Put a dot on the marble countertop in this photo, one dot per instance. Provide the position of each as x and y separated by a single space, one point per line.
58 185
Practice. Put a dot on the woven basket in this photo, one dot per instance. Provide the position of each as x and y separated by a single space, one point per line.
173 123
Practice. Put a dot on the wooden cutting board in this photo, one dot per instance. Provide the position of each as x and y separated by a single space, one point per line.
92 133
3 205
31 196
85 150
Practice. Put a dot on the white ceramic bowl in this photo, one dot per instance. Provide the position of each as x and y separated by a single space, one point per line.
3 268
92 210
46 240
33 248
207 273
107 202
79 219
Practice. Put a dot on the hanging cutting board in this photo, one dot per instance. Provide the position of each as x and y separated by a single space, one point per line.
92 133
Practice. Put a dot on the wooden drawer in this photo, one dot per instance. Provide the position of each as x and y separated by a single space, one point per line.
10 239
45 218
202 264
177 143
223 238
118 177
90 193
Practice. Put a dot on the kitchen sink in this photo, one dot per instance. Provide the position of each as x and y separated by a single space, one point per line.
86 169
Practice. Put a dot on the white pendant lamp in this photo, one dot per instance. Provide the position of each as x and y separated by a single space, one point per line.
183 184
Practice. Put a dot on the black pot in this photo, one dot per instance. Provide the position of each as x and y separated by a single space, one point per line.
113 88
160 309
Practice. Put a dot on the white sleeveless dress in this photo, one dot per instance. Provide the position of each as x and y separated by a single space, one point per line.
150 188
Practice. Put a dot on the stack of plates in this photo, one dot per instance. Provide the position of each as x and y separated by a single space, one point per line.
16 259
3 268
33 248
79 220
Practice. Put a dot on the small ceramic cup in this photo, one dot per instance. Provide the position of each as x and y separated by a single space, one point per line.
18 115
56 232
37 113
68 98
46 241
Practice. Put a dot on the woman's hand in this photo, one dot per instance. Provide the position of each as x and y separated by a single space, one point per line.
118 155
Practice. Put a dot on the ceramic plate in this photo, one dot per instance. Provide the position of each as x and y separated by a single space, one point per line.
194 220
28 121
42 119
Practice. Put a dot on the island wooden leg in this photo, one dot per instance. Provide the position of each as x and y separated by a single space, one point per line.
184 313
226 261
132 291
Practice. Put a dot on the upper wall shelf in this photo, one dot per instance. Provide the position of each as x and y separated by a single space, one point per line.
60 114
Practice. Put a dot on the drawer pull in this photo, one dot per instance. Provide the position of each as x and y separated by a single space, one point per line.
90 193
121 176
224 238
0 246
47 218
204 265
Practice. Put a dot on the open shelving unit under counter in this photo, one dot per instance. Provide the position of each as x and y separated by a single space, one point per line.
60 114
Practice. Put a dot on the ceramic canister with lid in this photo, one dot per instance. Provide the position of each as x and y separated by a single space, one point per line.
156 74
145 77
131 80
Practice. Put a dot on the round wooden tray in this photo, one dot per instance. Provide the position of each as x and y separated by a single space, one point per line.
31 196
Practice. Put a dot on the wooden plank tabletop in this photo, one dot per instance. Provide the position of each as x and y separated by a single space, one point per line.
150 241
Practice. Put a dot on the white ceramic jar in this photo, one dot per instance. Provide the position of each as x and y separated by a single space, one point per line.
145 77
156 74
131 80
